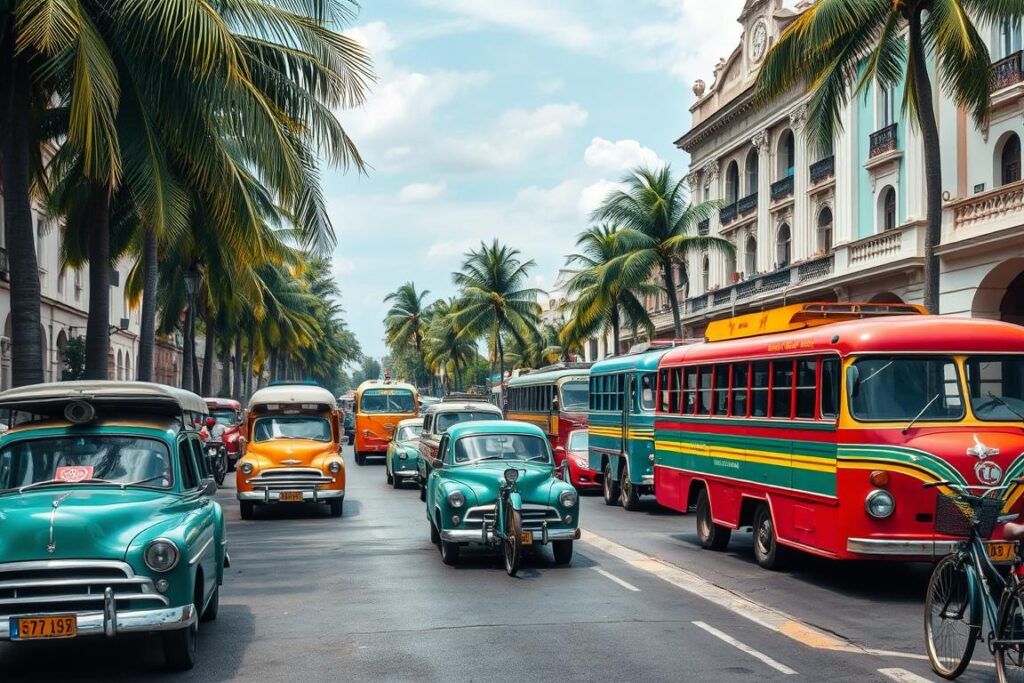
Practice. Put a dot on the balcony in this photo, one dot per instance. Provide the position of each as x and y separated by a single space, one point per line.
727 214
704 227
722 296
782 188
816 269
699 303
883 141
987 213
823 170
1008 71
747 204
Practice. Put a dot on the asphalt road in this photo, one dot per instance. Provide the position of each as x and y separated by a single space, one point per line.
366 597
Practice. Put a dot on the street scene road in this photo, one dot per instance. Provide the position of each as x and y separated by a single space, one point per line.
366 597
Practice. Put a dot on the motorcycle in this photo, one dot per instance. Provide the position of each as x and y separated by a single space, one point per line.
217 458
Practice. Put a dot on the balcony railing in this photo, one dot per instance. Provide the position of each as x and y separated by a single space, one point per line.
746 289
992 210
818 268
1008 71
821 170
722 296
699 303
883 141
727 214
747 204
782 188
885 246
704 227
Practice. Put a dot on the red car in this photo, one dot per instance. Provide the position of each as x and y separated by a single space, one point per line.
229 414
576 452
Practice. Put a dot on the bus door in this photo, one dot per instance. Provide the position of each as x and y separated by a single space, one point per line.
628 385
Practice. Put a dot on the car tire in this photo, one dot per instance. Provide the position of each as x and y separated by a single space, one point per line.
423 492
336 506
388 475
247 509
435 536
711 536
213 609
562 551
767 551
449 553
610 488
628 495
360 459
396 483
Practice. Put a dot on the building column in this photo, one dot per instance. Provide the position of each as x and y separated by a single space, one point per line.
847 177
765 243
711 190
803 226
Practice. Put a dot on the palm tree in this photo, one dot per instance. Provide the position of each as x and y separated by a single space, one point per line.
493 298
655 207
838 47
444 346
405 323
608 287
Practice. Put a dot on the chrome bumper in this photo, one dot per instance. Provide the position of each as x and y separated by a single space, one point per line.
477 536
900 547
406 474
110 622
268 496
647 480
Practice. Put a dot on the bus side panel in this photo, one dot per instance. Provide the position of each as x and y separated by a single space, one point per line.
671 487
640 447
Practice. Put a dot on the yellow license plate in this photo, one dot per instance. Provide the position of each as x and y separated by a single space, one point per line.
527 537
291 496
1000 551
60 626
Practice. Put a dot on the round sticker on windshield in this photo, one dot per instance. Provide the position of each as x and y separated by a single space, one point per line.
74 473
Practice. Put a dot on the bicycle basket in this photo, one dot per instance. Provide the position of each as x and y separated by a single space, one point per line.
954 515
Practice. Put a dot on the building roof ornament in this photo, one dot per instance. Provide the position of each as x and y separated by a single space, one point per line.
760 140
798 118
710 171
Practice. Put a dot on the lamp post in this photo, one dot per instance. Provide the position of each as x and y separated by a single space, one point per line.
191 282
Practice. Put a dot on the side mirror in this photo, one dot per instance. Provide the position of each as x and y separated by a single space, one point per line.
210 487
437 463
565 470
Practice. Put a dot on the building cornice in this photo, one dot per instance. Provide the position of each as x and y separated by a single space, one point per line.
740 105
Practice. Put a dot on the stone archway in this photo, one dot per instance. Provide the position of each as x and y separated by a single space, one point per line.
885 298
1000 295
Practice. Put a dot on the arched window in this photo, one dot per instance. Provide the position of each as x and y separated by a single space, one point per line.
887 205
750 257
705 273
782 246
1009 36
752 162
787 155
886 106
730 266
825 231
732 183
1009 160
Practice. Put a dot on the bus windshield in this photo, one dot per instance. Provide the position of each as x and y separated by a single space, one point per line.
387 401
904 388
996 385
575 397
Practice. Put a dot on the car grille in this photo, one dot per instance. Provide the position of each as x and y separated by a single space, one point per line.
290 477
534 516
49 586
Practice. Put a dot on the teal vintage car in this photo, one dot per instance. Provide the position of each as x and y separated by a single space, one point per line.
108 525
400 463
494 483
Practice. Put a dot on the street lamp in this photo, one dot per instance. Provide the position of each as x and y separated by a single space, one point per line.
191 284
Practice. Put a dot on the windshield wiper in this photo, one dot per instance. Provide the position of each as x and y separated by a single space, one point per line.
57 482
536 457
143 481
917 417
872 375
1000 401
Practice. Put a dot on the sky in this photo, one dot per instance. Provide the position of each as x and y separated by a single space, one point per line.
510 120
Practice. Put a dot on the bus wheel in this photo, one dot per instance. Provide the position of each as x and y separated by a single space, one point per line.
767 551
711 536
611 486
628 494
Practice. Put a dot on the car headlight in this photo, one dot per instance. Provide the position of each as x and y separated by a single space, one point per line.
583 463
161 555
403 456
334 467
456 499
511 475
567 499
880 504
246 468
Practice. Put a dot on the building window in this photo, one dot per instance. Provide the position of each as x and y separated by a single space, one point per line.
825 231
752 162
705 273
787 155
1009 165
888 208
782 247
1010 36
78 285
732 183
730 266
886 106
750 256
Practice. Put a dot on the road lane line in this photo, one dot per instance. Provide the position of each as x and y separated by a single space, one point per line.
624 584
743 647
902 676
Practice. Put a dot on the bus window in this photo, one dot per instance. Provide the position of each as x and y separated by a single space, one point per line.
996 385
663 390
830 388
690 386
740 377
782 388
806 387
675 379
721 390
647 392
704 394
759 390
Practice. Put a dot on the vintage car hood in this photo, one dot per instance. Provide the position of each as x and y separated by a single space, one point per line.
410 447
289 453
485 479
95 523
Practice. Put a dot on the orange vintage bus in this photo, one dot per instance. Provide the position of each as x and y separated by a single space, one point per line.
380 406
819 424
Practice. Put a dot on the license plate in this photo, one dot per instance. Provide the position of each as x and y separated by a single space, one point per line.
291 496
1001 552
527 537
32 628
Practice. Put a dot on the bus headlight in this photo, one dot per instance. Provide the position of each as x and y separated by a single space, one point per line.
880 504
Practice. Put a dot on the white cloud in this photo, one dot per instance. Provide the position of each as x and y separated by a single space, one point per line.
421 192
620 156
594 195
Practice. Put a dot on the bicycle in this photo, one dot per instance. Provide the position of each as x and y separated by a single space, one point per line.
966 589
508 523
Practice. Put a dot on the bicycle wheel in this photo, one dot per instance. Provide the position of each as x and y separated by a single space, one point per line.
952 617
1010 635
513 541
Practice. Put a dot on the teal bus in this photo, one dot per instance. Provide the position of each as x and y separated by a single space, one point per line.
621 425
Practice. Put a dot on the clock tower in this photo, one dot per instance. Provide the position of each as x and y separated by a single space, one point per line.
759 31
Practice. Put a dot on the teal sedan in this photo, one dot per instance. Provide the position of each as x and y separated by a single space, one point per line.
401 463
108 522
487 464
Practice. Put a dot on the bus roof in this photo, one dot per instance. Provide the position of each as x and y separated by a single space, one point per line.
383 384
916 334
647 360
547 377
801 316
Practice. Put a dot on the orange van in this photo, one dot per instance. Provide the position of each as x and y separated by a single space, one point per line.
380 406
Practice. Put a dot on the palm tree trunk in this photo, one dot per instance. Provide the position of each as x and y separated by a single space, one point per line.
188 351
248 369
932 163
236 378
209 359
458 376
147 333
97 331
501 359
615 328
15 136
195 361
273 363
673 300
225 373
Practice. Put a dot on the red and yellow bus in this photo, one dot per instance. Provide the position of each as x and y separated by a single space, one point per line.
819 424
555 398
380 406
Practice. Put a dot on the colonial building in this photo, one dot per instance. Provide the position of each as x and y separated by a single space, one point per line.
847 223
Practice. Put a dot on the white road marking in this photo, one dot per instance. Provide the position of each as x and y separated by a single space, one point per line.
625 584
781 668
902 676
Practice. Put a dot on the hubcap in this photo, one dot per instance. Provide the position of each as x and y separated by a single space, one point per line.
764 537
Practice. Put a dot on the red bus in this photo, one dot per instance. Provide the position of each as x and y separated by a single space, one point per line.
818 424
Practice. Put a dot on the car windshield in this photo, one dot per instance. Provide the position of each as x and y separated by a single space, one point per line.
519 447
306 427
118 459
409 432
387 401
575 397
444 421
904 389
225 416
579 441
996 386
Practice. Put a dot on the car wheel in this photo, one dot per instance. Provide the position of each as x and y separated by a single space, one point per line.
562 551
449 553
388 475
212 609
180 649
360 459
627 492
711 536
767 551
247 509
435 537
337 507
611 487
423 492
396 482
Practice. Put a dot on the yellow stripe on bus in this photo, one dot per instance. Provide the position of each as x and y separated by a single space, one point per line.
762 457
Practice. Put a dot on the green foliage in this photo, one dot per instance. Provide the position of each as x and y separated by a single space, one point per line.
73 359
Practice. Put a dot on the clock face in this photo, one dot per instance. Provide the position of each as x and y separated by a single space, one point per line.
758 41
